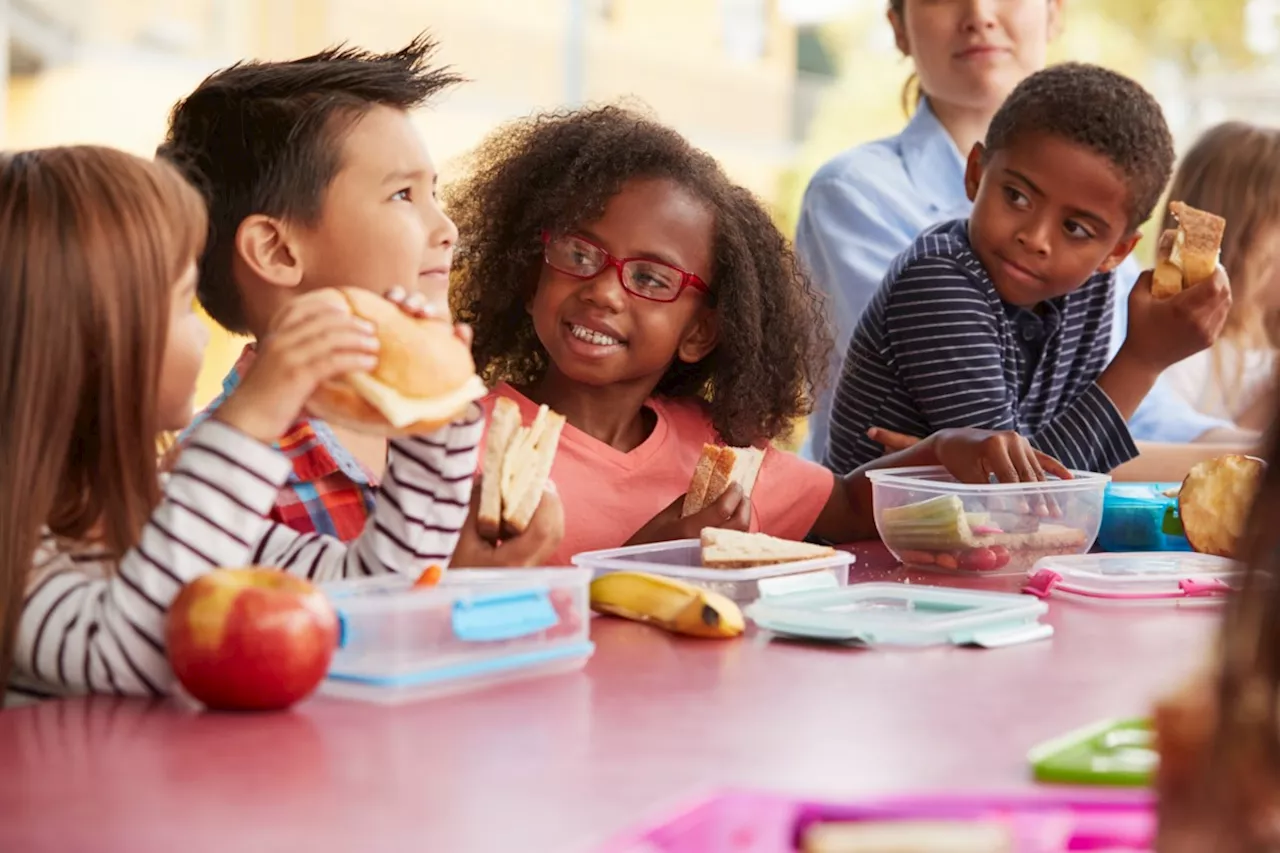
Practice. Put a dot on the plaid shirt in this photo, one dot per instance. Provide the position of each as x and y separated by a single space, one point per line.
328 491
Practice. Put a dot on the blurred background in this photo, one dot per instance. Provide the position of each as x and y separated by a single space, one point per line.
772 88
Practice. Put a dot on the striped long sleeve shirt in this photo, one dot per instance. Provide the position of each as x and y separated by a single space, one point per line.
94 624
937 348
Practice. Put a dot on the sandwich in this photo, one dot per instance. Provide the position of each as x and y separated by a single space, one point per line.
425 377
717 468
516 467
909 836
1193 249
733 549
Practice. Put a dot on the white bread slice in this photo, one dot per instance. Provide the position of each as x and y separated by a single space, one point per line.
1191 250
722 466
733 549
913 836
503 425
531 455
696 497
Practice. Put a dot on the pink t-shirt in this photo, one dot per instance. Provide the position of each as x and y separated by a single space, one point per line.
609 495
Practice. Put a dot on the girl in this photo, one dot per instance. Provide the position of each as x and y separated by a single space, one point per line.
615 274
1234 170
99 350
866 206
1219 735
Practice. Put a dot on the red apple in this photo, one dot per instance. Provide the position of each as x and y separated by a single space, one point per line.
250 639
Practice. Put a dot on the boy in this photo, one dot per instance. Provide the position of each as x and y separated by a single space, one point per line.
316 177
1001 321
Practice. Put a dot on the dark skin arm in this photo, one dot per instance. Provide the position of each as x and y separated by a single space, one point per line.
970 455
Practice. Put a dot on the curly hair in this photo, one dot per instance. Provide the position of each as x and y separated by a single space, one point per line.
266 137
1101 110
557 171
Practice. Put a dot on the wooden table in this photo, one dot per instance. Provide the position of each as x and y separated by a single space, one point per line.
560 764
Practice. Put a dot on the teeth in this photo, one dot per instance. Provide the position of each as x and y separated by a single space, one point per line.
582 333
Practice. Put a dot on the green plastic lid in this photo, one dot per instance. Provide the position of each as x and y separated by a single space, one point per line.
1113 752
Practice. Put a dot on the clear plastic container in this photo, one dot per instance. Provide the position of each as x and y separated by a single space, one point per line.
682 559
896 614
476 628
933 523
1172 579
1141 517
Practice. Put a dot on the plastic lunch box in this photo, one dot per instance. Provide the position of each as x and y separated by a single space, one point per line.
1140 579
931 522
895 614
1141 517
398 643
1113 752
683 559
1117 821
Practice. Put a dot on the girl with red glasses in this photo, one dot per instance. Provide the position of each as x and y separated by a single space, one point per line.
614 273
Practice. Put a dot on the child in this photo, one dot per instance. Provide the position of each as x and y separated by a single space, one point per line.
615 274
1234 171
1218 736
1001 321
100 346
316 177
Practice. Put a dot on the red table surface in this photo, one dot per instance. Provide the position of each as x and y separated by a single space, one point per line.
562 763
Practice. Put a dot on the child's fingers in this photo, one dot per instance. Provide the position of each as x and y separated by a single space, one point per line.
1052 466
316 303
1029 471
997 461
312 331
890 440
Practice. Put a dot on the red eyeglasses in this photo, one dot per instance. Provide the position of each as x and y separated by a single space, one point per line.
642 277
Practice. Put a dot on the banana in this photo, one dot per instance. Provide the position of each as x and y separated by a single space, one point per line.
676 606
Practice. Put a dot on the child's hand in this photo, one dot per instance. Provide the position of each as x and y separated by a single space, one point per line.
1162 332
975 455
416 305
532 548
312 340
732 511
890 440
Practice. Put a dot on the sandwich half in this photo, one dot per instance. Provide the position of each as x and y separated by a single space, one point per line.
717 469
733 549
516 466
1193 249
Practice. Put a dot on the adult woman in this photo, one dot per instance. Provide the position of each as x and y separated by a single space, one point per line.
868 204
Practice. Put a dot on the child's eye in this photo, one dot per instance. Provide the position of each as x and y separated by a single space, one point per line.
405 194
1076 230
1016 197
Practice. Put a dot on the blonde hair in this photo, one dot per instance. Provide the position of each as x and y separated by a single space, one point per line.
92 241
1233 170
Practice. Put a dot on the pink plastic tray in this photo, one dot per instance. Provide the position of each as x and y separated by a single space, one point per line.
746 822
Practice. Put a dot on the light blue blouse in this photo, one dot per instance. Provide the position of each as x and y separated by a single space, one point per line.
866 206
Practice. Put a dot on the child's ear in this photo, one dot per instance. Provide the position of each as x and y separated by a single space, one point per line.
263 245
973 171
1121 251
701 338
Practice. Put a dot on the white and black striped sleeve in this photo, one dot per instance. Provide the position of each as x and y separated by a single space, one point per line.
947 346
84 629
421 507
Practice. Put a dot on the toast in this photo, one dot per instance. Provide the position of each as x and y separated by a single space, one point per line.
517 464
1192 250
717 469
733 549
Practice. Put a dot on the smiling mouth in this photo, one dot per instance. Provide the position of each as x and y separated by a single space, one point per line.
983 50
1020 270
593 337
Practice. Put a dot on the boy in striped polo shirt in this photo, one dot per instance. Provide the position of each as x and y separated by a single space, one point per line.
1001 321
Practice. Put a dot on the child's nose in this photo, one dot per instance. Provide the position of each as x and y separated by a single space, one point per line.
441 230
1034 236
605 289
